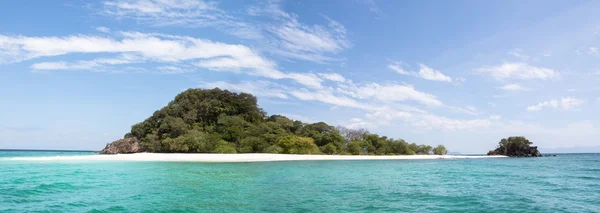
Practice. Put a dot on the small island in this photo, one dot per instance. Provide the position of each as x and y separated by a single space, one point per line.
220 121
517 146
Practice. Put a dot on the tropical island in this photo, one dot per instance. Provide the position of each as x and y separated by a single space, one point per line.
517 146
215 121
220 121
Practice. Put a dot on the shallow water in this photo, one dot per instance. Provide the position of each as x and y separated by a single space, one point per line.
568 183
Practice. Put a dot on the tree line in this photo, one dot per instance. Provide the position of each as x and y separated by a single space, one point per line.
220 121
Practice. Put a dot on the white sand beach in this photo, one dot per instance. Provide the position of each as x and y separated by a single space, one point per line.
255 157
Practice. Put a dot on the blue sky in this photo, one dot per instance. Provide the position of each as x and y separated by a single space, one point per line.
77 75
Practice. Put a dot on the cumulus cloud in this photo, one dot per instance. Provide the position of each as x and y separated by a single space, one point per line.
519 71
567 103
424 72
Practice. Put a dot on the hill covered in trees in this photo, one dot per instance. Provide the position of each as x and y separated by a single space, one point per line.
220 121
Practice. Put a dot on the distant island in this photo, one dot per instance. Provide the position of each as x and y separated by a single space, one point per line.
516 147
220 121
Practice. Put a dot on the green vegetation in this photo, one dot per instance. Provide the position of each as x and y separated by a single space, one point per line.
219 121
516 147
440 150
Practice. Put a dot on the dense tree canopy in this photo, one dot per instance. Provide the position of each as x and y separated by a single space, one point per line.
219 121
516 147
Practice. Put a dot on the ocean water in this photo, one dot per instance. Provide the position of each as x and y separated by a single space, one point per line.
568 183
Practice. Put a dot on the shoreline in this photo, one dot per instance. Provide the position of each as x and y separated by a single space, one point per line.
231 158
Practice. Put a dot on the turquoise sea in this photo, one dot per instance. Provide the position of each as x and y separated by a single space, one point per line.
568 183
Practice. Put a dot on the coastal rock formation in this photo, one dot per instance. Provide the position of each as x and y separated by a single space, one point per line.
516 147
122 146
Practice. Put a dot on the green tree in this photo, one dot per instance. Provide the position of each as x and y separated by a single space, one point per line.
224 147
440 150
215 120
252 144
355 147
298 145
423 149
171 127
330 148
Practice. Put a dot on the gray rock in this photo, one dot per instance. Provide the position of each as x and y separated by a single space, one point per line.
122 146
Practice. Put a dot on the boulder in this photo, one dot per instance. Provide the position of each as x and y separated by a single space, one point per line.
122 146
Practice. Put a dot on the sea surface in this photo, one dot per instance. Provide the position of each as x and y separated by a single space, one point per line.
567 183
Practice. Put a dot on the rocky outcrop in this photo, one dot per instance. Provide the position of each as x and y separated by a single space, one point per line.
516 147
123 146
531 151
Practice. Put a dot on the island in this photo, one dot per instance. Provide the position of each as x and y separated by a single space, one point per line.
517 146
220 121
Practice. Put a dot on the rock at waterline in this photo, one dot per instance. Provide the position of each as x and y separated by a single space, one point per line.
122 146
516 147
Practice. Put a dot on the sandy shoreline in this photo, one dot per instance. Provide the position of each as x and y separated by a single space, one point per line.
255 157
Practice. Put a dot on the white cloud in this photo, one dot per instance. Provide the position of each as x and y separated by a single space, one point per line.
328 97
395 92
519 71
378 102
96 64
135 46
333 77
357 123
302 38
152 46
425 72
103 29
174 69
429 121
564 103
155 9
301 41
258 88
513 87
186 13
424 120
307 79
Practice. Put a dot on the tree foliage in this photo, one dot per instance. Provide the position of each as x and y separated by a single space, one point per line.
219 121
516 146
440 150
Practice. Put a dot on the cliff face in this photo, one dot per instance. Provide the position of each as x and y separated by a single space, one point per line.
122 146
